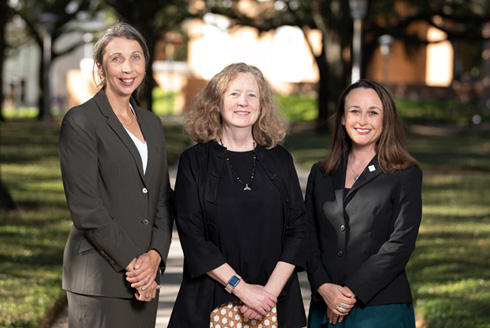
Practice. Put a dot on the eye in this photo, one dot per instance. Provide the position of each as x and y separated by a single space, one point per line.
136 57
234 94
354 111
116 59
252 95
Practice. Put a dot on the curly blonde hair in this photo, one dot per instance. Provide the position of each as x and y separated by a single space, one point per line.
203 119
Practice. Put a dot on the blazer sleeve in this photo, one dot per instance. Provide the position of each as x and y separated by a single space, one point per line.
317 275
164 218
381 268
200 253
294 244
79 168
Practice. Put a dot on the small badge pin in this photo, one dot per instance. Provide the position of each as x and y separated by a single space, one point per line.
371 168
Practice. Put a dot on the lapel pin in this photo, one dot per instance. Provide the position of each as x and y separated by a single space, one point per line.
371 168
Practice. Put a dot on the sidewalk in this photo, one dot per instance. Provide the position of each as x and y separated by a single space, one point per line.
173 274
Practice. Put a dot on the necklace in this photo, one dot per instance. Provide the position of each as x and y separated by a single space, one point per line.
129 124
356 176
247 185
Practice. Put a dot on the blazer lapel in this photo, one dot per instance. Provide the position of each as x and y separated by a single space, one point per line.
114 123
371 171
150 143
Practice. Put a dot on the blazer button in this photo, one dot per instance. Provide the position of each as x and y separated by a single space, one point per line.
340 253
112 262
144 190
145 221
342 228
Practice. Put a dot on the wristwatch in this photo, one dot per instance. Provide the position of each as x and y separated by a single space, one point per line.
232 283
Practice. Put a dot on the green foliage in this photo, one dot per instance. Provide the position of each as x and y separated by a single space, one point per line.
34 235
298 108
163 101
440 111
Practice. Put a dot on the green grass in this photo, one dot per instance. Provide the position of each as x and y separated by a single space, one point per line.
33 236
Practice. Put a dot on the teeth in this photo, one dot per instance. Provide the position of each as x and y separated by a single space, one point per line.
242 113
126 80
363 130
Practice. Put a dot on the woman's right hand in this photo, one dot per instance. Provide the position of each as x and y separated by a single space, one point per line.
335 296
256 298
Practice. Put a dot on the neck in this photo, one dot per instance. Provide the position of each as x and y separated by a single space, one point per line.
238 140
119 104
362 154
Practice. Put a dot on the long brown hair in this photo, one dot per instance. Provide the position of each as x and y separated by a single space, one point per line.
203 119
390 147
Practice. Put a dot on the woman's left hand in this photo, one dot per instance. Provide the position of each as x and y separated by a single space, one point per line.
144 271
333 318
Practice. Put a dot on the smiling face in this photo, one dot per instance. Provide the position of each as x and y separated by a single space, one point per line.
363 118
240 103
123 66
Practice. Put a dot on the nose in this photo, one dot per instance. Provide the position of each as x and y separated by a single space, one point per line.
126 66
243 100
363 118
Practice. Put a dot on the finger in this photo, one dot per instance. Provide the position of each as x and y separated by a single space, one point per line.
341 318
142 280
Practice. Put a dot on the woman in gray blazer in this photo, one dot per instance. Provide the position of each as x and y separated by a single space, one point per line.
116 182
364 211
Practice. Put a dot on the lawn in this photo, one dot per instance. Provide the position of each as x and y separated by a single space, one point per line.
449 271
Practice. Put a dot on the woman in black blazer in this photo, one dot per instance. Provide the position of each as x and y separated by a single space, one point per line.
364 210
116 182
239 210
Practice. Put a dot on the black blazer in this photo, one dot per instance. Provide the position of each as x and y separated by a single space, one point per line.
364 241
118 212
195 196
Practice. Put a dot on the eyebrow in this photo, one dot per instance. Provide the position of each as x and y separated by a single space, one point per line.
370 107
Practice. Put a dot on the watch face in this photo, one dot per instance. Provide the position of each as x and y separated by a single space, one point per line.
234 281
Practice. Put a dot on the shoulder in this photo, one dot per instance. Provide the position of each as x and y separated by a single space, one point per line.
411 172
81 114
278 153
195 152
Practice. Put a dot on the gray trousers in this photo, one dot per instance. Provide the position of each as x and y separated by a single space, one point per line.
87 311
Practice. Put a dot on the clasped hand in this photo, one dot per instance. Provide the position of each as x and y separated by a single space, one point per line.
257 301
141 273
340 300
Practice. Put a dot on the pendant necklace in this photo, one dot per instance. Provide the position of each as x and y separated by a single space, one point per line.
356 176
245 184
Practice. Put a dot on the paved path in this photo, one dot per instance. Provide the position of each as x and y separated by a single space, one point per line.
173 275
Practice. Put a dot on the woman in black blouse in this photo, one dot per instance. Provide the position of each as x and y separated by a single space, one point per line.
240 214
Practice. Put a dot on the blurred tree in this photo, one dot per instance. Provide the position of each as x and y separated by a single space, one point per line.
461 20
6 202
153 19
5 15
54 17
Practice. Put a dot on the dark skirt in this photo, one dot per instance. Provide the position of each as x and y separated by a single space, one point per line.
375 316
86 311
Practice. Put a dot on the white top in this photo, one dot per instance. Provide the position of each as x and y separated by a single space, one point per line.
141 146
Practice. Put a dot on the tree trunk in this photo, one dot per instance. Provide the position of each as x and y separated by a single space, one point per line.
6 201
3 22
333 79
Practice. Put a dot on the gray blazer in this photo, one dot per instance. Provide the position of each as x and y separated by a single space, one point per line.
118 212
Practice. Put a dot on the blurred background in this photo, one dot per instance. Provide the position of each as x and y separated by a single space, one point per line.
432 55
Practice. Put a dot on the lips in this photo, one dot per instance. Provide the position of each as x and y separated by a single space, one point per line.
127 82
363 131
241 113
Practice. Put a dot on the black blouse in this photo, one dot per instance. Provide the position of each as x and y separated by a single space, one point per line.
252 252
